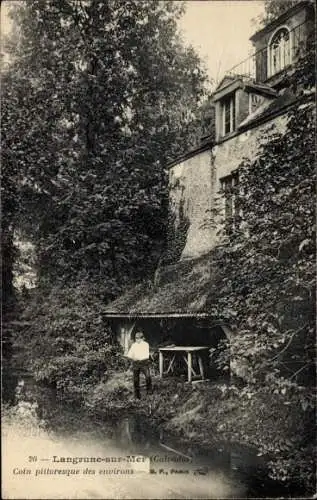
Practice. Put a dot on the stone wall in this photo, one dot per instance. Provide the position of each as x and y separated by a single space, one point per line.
195 185
191 184
229 154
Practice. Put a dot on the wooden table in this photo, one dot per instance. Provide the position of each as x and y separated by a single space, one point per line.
187 355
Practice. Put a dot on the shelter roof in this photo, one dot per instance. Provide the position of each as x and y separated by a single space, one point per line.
180 289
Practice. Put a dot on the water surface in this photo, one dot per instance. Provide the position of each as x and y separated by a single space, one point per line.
51 450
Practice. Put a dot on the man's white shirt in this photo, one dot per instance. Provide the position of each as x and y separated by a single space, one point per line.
139 351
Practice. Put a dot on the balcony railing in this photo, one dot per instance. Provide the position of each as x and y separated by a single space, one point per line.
266 63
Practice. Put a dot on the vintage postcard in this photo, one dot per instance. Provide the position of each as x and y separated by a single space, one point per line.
158 249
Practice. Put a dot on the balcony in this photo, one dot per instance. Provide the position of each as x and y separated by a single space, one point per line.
268 62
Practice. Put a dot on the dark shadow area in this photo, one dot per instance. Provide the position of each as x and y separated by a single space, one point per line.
183 331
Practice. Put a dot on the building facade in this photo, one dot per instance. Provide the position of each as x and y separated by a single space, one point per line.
252 97
250 103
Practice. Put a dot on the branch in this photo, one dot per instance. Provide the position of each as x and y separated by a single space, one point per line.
302 368
289 342
83 10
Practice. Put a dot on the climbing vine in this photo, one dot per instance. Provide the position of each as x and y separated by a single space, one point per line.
176 234
266 281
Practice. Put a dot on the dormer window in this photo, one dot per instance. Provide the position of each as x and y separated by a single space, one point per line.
279 51
228 114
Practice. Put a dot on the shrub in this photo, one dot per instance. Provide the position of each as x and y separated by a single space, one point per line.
66 342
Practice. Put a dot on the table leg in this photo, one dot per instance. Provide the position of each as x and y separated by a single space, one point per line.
201 367
189 356
171 365
161 363
186 363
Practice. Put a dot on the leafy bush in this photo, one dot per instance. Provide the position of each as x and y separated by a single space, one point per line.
66 342
113 394
22 417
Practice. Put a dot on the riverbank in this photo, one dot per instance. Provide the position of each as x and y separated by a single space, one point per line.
82 461
209 413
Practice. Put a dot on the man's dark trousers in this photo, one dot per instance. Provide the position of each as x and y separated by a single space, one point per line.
141 367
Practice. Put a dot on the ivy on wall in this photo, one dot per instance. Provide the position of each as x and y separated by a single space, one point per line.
176 233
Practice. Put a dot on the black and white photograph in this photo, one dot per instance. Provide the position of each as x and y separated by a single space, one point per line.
158 249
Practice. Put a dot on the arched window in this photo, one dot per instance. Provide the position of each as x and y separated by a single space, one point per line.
279 51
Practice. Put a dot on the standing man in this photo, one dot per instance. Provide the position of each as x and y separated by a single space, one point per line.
139 352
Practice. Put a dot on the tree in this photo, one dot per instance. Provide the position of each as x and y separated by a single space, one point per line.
98 96
105 94
269 272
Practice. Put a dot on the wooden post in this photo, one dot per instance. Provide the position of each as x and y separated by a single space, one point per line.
127 329
189 357
201 366
161 363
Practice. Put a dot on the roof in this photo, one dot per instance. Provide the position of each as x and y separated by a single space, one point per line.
226 80
270 108
260 88
281 19
181 289
228 85
204 146
233 83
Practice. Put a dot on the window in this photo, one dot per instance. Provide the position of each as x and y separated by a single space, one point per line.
229 188
279 51
229 114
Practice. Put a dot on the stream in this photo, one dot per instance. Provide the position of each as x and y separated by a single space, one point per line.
51 450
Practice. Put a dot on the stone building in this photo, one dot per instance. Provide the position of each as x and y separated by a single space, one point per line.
251 97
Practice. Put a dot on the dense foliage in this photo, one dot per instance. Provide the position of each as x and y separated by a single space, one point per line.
66 342
98 96
265 287
268 265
